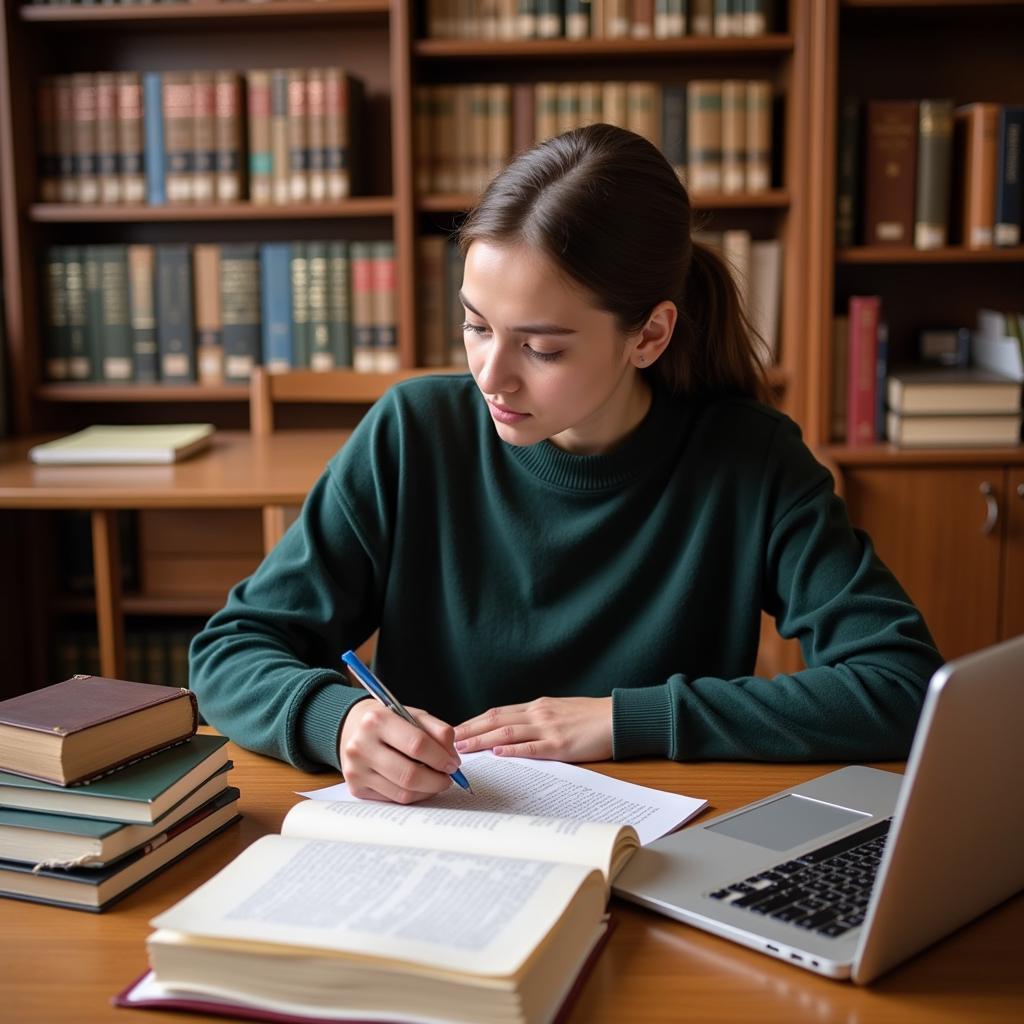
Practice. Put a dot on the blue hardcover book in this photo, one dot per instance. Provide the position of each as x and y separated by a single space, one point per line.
1008 176
276 305
153 130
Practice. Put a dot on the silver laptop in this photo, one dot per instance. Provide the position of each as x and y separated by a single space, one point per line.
853 872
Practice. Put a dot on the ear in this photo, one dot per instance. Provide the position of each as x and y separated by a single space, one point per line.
653 338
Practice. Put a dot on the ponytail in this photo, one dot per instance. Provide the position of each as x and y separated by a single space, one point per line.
714 349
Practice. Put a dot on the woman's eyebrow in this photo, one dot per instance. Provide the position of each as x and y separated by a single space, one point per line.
522 328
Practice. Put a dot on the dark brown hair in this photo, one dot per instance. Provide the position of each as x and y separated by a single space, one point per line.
607 208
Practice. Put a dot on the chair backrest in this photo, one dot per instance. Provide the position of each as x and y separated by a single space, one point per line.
328 387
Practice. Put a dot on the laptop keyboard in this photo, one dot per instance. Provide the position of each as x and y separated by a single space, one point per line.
826 890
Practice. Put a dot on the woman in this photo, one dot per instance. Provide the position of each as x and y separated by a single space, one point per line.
567 552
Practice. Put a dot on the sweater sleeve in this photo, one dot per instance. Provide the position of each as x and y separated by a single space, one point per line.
868 653
266 667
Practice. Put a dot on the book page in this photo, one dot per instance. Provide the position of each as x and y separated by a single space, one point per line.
457 912
553 789
593 844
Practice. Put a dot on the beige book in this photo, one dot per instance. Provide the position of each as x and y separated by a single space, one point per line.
476 915
613 104
130 145
499 129
179 127
280 183
617 22
734 135
643 110
590 103
766 294
546 110
736 252
567 114
704 135
209 328
759 136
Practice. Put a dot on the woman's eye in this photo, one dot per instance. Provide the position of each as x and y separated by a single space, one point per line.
468 328
544 357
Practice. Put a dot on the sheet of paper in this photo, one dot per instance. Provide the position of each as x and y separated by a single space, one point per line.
553 789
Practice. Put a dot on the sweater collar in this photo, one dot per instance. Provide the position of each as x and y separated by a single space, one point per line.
645 445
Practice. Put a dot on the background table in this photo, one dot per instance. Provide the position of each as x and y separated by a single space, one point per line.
64 965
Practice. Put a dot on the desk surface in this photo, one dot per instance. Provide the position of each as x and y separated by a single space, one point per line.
237 471
63 965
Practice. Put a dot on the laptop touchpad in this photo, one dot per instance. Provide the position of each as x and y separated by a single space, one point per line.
786 822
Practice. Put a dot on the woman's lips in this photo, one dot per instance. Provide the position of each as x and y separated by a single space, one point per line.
503 415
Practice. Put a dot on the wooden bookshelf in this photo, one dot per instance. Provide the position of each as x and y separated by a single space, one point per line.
203 13
693 47
77 213
952 254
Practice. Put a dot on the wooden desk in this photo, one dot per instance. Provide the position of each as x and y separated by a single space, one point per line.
63 965
238 471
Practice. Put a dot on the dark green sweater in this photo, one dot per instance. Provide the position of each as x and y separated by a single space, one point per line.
497 574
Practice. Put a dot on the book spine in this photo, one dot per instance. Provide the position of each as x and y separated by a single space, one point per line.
316 113
68 173
890 171
204 137
642 19
49 149
93 310
298 141
261 160
108 170
1010 150
115 321
434 335
704 135
83 93
153 130
55 340
444 167
339 311
523 110
174 323
336 134
240 309
300 304
526 21
179 121
613 103
479 111
280 181
546 115
848 174
228 136
499 130
702 18
975 128
934 162
130 146
734 135
549 19
142 306
382 272
759 135
577 19
209 328
862 376
276 305
361 256
321 357
673 127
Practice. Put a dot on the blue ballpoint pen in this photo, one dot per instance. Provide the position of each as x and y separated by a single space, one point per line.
377 689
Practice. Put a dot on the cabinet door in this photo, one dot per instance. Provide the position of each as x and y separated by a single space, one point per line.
933 529
1013 564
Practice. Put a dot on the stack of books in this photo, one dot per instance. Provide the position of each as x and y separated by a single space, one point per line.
104 783
952 407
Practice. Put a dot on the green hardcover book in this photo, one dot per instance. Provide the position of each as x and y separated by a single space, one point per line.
141 792
116 363
934 164
61 841
55 341
93 310
338 303
320 355
240 308
96 889
174 323
79 358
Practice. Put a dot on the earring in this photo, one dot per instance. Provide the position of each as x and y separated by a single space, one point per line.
641 360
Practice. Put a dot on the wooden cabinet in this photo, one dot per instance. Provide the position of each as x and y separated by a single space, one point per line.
954 537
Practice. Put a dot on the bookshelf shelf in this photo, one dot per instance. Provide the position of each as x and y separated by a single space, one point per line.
87 392
773 199
890 455
711 48
144 604
204 13
953 254
75 213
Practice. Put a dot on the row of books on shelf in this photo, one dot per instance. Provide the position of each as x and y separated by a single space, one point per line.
928 174
272 136
182 313
598 19
158 654
717 134
123 788
967 388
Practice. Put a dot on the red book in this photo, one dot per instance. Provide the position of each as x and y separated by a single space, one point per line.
864 311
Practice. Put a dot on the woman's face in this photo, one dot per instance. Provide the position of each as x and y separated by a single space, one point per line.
549 363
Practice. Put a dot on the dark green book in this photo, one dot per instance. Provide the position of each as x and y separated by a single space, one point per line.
115 340
93 310
175 333
142 792
79 356
240 308
339 305
96 889
320 355
55 338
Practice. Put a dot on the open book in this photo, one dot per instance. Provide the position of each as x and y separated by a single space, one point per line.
388 912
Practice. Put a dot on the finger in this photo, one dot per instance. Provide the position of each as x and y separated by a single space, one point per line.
418 744
392 793
539 750
504 735
489 719
441 731
406 774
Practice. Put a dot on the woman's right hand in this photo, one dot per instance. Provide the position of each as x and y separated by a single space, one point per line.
383 757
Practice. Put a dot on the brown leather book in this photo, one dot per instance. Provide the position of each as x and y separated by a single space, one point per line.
890 176
975 128
86 726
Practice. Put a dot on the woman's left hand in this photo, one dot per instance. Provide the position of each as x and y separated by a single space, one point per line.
548 728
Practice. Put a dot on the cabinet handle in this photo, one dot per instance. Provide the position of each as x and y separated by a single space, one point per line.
992 506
